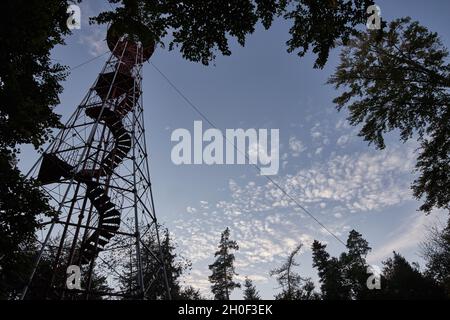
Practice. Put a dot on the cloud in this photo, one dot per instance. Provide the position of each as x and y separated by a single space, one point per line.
94 40
359 182
263 216
254 277
409 235
191 210
198 280
316 133
267 225
204 205
296 146
320 132
343 140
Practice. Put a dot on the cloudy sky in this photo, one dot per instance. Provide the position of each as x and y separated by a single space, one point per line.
324 165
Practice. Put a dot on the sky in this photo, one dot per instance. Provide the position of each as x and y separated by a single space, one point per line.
345 183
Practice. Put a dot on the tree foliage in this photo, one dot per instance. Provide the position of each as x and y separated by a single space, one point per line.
174 264
190 293
202 28
293 286
30 81
15 272
333 286
223 268
401 280
250 292
436 252
324 24
395 80
287 278
29 88
343 278
401 82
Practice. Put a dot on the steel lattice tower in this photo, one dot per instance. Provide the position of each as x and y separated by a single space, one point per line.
96 173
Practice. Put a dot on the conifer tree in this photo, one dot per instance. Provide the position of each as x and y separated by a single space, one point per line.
250 292
223 268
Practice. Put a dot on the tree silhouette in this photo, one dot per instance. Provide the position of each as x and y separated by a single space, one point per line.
401 81
401 280
13 280
250 292
333 285
287 278
201 28
354 266
29 88
223 268
323 24
190 293
293 286
436 252
344 278
175 267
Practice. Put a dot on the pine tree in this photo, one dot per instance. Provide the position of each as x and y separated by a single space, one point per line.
436 252
175 267
250 292
333 285
344 278
403 280
354 266
400 82
293 286
190 293
223 268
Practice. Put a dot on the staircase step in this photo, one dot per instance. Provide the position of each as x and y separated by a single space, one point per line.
112 213
105 207
94 193
110 228
102 200
115 221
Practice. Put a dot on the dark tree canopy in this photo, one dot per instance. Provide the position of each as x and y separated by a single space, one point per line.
322 24
30 81
29 88
190 293
17 270
175 266
354 265
202 28
333 286
343 278
288 279
20 202
293 286
223 268
401 280
436 252
250 292
401 82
